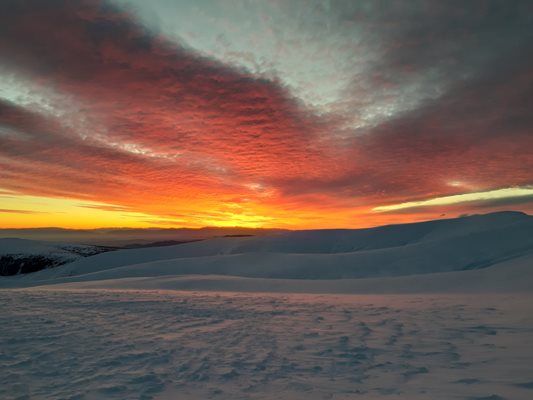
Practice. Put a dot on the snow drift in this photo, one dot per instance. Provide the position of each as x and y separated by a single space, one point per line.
363 259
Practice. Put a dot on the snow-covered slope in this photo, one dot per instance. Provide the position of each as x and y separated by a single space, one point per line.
412 249
514 275
452 319
20 255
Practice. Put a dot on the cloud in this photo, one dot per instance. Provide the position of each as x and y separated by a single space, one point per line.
524 201
159 122
9 211
490 196
106 207
144 124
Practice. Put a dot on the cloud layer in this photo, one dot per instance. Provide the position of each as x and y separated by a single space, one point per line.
98 107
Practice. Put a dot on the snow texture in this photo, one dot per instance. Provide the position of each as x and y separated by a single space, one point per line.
102 344
438 310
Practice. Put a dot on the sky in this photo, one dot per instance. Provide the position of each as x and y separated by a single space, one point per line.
281 113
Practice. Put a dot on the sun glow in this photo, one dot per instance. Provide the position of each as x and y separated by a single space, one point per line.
17 211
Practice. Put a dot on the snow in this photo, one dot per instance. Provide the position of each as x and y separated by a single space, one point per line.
412 249
109 344
21 255
438 310
514 276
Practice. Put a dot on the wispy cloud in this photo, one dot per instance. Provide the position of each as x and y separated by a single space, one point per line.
8 211
491 196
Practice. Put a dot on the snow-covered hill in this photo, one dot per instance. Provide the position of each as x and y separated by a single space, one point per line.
18 256
442 246
452 319
514 275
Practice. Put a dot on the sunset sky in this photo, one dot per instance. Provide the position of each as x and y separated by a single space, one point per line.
278 113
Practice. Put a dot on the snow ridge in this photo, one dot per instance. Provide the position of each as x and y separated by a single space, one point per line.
434 247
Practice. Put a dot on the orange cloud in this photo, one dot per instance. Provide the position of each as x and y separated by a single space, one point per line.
141 124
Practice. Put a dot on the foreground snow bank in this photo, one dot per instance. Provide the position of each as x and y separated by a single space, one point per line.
101 344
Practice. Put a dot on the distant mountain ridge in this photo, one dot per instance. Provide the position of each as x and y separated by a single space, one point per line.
122 237
21 256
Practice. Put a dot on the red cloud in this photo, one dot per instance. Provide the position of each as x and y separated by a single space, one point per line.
160 129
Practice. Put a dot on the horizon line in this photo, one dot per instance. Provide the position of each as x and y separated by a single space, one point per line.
444 217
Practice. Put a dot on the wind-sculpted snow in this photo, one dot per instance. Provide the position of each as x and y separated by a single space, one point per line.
189 345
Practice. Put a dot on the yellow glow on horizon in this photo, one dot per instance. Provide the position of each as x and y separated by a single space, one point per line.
460 198
241 220
23 211
38 212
